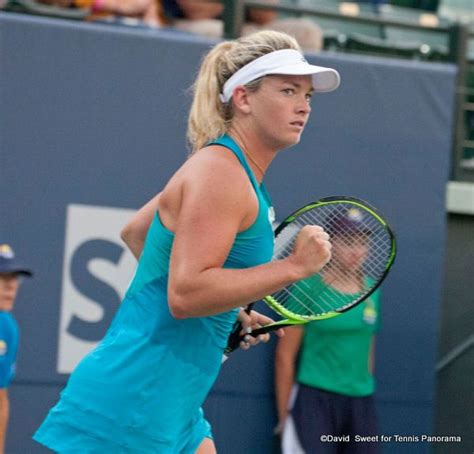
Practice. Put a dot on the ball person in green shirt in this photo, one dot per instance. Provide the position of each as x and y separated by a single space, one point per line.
331 361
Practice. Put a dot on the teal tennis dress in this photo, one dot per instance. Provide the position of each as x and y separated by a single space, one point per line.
141 389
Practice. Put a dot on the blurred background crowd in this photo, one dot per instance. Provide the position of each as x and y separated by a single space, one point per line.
430 30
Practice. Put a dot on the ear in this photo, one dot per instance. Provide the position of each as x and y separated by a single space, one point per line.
240 99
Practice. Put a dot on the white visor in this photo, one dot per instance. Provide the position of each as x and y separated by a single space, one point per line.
286 61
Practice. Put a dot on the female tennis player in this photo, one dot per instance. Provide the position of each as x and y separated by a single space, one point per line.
206 254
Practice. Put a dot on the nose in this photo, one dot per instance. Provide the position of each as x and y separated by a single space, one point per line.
304 106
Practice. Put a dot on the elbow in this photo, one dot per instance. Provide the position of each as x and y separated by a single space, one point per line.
177 310
130 234
178 305
125 234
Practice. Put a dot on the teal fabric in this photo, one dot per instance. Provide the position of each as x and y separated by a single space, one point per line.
9 338
251 247
141 389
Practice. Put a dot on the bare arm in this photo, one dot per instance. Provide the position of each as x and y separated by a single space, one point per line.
211 213
4 415
126 7
285 359
212 9
134 233
200 9
371 364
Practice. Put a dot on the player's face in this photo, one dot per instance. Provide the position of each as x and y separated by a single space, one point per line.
281 108
350 252
9 284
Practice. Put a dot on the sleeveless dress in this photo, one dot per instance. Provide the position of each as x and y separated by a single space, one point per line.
141 389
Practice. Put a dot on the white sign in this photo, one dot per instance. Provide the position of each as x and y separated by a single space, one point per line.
97 270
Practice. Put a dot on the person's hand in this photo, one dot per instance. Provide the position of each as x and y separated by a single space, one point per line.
253 321
278 429
200 9
312 250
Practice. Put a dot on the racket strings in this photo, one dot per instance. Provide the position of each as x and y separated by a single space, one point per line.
359 260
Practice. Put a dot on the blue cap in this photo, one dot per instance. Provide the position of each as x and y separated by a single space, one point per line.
9 263
349 223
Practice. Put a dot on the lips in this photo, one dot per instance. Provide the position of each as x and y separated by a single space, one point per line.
298 123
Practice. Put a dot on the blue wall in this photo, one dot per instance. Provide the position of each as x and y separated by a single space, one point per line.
92 121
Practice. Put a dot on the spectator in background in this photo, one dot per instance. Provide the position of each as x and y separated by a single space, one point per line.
204 17
146 11
334 395
10 273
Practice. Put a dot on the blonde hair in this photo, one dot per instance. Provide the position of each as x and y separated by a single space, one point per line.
209 118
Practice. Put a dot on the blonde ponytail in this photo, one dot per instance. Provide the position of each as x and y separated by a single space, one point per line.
209 118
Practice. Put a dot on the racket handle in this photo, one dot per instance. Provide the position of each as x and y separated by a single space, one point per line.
269 328
235 337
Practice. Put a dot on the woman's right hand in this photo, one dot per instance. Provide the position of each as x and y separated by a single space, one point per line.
312 250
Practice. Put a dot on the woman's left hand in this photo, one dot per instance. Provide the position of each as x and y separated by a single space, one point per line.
253 321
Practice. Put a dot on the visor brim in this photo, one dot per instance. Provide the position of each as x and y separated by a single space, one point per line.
324 79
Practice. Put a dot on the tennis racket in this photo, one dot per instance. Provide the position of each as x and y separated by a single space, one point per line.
363 251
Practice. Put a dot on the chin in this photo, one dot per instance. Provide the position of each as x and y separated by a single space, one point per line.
6 305
291 140
297 139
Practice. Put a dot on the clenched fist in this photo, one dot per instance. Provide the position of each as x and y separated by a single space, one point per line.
312 250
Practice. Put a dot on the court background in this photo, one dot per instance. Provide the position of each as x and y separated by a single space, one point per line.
92 117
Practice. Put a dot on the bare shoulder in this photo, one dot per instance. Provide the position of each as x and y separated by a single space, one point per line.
217 161
216 169
212 180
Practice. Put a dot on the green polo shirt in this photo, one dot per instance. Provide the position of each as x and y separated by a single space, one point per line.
335 352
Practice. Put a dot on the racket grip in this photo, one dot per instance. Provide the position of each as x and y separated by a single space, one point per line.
235 337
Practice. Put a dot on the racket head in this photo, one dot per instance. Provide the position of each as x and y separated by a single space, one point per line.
364 250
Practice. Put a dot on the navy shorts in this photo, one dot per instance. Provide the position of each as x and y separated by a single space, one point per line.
331 423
